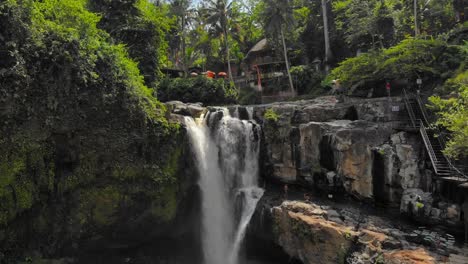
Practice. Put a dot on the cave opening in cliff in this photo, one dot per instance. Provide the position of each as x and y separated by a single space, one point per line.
378 178
327 156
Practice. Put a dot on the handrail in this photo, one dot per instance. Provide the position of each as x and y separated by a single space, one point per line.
422 108
440 139
425 136
409 108
428 145
452 166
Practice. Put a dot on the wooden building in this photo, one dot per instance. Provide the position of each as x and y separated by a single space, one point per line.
263 72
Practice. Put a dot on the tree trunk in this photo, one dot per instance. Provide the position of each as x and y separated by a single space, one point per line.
287 63
416 29
328 53
228 57
184 55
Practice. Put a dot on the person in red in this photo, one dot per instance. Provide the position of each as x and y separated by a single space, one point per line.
388 87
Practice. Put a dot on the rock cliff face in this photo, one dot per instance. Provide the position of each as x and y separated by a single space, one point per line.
141 181
353 145
356 147
88 160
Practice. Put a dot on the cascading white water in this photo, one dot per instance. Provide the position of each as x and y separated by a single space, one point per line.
226 150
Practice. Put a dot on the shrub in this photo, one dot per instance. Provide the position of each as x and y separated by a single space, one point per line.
453 114
271 115
198 89
362 68
141 27
307 80
248 96
410 59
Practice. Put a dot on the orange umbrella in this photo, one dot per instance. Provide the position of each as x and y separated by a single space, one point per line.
210 74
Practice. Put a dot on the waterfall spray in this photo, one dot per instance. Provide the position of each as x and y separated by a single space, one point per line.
226 150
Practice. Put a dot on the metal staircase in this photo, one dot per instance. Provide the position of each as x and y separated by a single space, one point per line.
433 142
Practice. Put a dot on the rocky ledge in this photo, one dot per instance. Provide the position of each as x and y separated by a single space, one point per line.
324 234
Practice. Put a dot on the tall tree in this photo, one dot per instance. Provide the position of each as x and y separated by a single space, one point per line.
365 23
279 17
141 26
328 53
182 11
219 13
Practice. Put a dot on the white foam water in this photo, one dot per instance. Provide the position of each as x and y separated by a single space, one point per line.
226 150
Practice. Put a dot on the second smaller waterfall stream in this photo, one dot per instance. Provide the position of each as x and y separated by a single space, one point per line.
226 150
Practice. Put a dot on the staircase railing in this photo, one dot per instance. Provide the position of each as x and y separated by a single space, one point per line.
423 130
409 108
453 167
422 108
429 148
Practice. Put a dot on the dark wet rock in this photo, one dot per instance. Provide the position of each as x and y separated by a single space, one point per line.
185 109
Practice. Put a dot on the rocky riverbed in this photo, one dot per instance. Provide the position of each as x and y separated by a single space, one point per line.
322 230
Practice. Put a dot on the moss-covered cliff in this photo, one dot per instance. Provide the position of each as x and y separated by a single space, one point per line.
87 154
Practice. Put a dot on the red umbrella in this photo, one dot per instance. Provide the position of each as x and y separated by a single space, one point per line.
210 74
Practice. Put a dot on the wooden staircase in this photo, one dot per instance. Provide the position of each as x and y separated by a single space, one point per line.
434 143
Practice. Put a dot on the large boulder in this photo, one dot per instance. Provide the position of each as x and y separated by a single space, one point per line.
321 234
397 167
304 233
416 202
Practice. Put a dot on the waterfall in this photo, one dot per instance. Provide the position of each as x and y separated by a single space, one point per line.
226 150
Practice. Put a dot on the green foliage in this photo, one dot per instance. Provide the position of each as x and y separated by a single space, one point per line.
410 59
341 255
362 68
77 110
248 96
54 23
366 24
271 115
99 205
380 259
278 15
198 89
307 80
18 190
142 27
416 57
453 115
347 235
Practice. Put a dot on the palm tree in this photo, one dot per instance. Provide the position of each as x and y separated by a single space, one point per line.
219 13
278 17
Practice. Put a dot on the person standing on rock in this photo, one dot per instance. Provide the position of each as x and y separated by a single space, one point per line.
285 189
419 206
338 90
